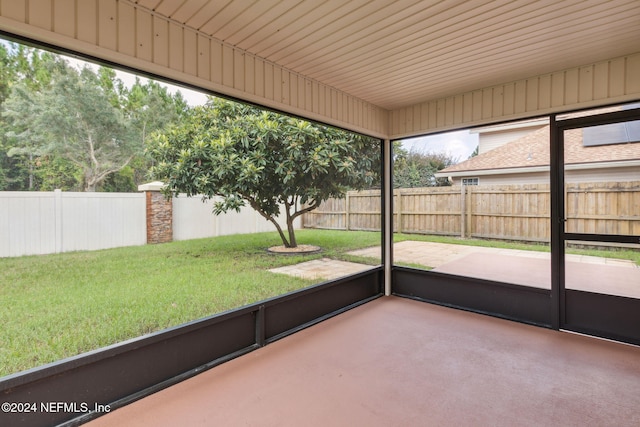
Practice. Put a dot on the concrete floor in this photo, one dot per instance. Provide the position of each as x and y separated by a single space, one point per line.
398 362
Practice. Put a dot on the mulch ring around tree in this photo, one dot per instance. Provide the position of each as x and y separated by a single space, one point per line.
298 250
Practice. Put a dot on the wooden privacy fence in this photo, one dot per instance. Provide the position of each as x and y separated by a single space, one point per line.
508 212
359 210
606 208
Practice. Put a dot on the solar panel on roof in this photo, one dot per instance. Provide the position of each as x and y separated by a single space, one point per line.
615 133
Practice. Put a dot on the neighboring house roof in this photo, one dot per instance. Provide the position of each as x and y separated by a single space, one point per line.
532 151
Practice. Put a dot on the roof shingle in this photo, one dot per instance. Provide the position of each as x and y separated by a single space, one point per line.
533 150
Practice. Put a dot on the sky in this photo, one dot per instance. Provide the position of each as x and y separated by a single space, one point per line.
457 144
192 97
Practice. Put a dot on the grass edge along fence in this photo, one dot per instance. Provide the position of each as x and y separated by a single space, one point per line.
519 212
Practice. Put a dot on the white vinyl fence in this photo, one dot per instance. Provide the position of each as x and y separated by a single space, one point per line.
193 219
35 223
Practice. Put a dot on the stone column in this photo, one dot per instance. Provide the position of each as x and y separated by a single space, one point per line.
159 214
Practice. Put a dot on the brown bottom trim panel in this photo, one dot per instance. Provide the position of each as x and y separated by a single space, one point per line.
606 316
513 302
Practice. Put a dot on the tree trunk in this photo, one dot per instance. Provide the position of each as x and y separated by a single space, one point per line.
292 233
89 183
290 230
30 171
268 217
285 243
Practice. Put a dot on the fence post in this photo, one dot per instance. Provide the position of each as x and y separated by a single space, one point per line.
399 211
159 213
347 205
565 195
469 228
57 203
463 211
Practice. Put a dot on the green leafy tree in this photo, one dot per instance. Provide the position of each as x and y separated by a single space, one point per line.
413 168
74 118
150 108
26 72
85 125
267 160
6 77
23 144
53 173
34 69
147 107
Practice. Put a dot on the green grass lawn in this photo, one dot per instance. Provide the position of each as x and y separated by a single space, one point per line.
56 306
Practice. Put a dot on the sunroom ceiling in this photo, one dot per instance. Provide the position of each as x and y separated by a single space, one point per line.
398 53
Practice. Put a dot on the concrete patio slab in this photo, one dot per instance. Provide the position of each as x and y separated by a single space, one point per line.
433 254
322 269
520 267
612 279
424 253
